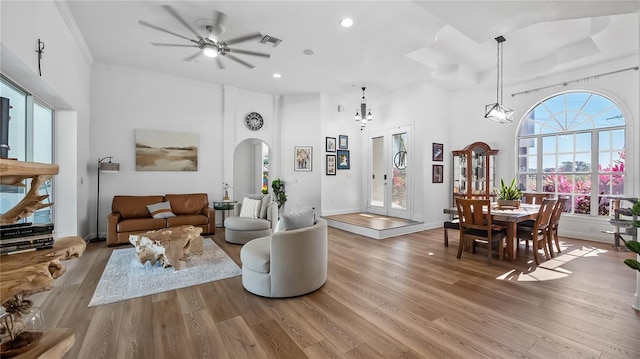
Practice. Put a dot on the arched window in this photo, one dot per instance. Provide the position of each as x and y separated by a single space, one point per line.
574 144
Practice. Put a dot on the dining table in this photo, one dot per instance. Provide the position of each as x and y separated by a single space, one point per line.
509 217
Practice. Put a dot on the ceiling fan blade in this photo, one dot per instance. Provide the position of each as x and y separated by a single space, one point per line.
142 22
219 18
249 37
239 61
192 57
173 12
176 45
220 63
247 52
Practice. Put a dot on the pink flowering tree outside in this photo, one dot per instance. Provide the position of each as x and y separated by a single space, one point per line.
610 182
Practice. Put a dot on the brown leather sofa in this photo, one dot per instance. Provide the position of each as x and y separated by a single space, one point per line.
130 215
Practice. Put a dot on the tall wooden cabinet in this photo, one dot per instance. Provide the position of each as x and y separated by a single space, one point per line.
474 171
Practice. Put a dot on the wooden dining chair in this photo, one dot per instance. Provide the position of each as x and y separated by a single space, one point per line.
560 207
534 197
451 224
476 226
539 234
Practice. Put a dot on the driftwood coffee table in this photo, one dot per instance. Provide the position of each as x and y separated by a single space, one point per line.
171 246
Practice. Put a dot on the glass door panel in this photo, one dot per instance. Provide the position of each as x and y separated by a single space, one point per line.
389 177
377 172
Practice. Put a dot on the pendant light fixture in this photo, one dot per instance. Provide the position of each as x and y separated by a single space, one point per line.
496 111
363 119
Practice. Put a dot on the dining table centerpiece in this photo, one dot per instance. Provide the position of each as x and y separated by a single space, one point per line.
509 196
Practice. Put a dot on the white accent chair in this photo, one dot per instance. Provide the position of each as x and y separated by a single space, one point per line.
288 263
240 230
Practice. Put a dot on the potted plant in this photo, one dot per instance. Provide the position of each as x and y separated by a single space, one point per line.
278 192
509 196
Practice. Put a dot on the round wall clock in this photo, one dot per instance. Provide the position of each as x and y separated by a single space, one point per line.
253 121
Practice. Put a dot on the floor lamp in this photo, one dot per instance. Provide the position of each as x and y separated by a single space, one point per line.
106 167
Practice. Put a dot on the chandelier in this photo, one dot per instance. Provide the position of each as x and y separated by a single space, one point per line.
496 111
363 109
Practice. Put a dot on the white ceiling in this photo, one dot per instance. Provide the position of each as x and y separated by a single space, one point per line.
393 44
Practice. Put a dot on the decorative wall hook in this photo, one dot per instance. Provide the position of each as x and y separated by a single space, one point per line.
40 51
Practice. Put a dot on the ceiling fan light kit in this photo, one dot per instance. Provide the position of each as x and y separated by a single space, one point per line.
496 111
211 45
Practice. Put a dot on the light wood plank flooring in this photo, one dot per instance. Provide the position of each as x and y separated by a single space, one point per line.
403 297
371 220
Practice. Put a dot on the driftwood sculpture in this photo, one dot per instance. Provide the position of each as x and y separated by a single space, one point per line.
12 173
171 246
32 272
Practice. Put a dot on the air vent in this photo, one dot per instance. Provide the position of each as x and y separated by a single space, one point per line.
270 40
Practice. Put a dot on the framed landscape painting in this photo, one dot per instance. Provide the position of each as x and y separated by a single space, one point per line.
166 150
303 156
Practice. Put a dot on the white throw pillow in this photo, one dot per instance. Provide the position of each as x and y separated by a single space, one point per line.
250 208
290 221
160 210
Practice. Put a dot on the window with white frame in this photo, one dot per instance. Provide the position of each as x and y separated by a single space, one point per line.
30 139
573 144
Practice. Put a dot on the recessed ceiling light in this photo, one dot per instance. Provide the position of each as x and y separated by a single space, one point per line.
346 22
307 52
277 76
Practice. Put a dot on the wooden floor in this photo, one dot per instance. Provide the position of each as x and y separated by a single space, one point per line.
402 297
371 220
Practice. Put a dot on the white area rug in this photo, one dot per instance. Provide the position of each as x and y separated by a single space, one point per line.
125 277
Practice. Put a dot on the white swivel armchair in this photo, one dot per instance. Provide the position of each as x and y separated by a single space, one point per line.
240 230
287 263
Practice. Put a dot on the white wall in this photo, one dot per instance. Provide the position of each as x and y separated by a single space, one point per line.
300 125
64 84
468 125
341 193
123 100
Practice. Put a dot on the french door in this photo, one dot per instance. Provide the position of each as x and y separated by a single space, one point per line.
390 173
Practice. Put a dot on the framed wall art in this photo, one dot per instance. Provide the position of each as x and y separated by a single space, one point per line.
438 174
166 150
330 144
438 152
343 143
303 156
344 161
331 165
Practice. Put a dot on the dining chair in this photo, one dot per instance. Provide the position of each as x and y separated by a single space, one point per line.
560 207
476 226
534 197
451 224
539 234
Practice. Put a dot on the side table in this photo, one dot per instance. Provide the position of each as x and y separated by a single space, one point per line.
225 207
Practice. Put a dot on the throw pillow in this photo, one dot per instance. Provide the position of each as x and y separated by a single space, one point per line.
250 208
290 221
160 210
266 201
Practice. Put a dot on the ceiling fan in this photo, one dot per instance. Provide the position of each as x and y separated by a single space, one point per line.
210 45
